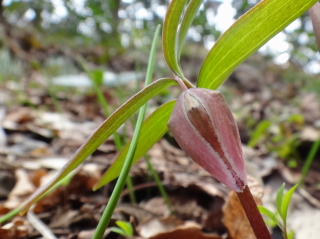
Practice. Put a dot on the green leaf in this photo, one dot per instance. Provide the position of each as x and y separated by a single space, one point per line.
247 35
188 17
119 231
154 127
269 214
285 203
266 212
169 35
125 226
279 199
104 131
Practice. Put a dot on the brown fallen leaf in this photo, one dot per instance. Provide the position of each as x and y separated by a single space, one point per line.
235 218
188 230
155 226
13 230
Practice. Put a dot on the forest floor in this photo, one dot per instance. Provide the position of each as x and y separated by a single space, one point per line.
278 116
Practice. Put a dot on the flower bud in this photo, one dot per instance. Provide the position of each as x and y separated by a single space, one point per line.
204 127
315 19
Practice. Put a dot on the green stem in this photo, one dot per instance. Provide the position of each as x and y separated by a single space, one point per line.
131 190
106 216
250 208
160 186
10 214
311 156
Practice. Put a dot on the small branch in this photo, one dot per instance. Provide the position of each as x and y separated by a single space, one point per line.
253 214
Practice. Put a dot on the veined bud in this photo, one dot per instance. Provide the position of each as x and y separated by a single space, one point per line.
315 19
204 127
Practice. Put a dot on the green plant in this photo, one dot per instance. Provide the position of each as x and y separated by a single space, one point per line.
282 204
277 135
124 228
242 39
312 153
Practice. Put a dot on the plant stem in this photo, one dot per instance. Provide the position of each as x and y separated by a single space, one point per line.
307 164
106 216
160 186
250 208
131 190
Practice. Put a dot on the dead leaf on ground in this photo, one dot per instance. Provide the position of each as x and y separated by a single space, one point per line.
13 230
189 230
154 226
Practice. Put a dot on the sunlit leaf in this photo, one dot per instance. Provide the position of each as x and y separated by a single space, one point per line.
269 214
266 212
119 231
125 226
104 131
285 203
279 199
247 35
154 127
169 35
187 19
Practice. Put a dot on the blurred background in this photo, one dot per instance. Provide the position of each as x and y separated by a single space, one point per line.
46 96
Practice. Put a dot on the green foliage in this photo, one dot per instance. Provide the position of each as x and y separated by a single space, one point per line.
154 127
278 136
311 155
188 17
169 40
282 204
247 35
106 129
124 228
106 216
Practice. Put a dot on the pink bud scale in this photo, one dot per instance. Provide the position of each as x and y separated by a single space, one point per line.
204 127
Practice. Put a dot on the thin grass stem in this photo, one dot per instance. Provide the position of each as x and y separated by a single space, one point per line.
106 216
159 184
307 164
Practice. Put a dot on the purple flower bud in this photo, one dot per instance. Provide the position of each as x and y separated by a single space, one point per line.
315 19
204 127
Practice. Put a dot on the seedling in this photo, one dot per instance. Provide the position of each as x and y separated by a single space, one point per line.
280 216
124 228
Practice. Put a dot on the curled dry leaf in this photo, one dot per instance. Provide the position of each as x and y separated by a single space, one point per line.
155 226
235 218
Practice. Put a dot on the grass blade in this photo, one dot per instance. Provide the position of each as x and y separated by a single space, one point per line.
106 216
307 164
159 184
